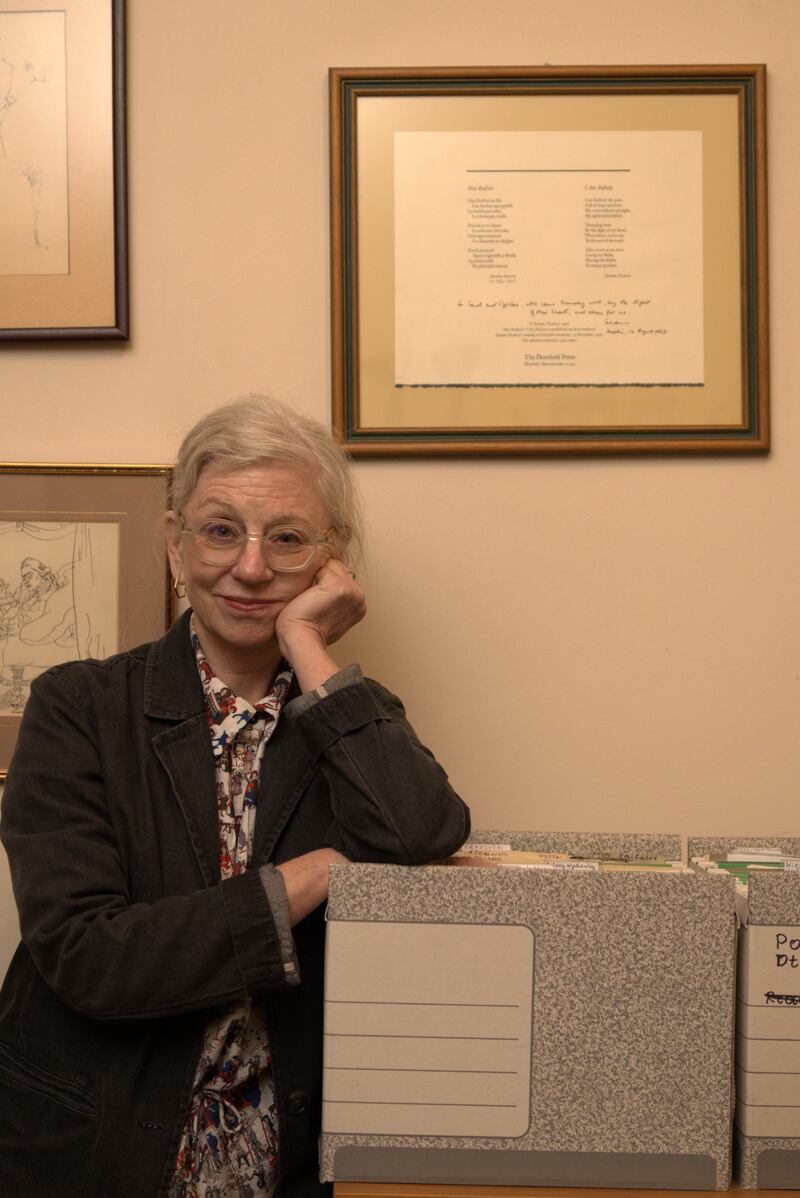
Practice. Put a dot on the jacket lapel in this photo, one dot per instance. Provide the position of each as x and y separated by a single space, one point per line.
174 697
286 771
185 753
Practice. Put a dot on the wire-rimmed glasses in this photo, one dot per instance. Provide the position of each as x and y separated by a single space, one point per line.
285 548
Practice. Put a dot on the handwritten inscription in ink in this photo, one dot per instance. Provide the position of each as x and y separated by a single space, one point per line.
786 951
782 1000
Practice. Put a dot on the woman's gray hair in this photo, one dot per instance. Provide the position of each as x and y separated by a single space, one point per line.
256 429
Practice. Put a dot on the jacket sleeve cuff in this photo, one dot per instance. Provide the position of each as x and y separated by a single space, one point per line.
346 677
272 882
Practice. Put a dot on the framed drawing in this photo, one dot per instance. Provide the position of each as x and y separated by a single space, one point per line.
549 260
83 571
63 223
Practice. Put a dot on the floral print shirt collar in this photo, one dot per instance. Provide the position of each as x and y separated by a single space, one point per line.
228 713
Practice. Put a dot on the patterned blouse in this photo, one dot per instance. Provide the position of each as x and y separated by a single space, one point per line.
229 1147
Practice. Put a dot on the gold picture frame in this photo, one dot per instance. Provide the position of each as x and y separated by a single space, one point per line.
544 260
83 571
63 217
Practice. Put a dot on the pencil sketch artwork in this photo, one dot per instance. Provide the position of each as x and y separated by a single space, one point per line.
34 229
59 599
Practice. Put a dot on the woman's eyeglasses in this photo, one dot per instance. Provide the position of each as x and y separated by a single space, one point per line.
286 547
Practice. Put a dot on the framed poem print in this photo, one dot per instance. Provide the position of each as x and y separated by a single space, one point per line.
63 217
83 571
549 260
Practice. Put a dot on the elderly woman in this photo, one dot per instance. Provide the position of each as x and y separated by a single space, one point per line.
170 816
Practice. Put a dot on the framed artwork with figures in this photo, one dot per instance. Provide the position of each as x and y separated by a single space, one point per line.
63 206
83 571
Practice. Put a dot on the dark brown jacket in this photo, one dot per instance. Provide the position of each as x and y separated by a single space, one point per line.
129 939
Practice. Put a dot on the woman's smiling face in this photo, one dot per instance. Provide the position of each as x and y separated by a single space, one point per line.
235 606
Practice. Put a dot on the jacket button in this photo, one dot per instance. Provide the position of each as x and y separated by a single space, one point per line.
298 1103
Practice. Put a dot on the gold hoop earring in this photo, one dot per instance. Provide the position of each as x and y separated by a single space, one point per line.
177 583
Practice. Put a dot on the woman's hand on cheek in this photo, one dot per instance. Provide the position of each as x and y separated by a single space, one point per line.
319 616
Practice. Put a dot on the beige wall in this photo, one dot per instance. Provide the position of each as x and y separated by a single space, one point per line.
634 663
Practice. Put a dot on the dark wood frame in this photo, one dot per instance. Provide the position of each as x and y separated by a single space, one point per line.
116 326
348 86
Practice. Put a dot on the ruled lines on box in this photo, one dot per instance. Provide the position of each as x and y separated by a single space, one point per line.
428 1029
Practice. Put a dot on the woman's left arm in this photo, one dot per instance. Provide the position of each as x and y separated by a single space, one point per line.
391 799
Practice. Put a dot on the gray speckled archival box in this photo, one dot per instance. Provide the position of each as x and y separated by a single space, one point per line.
762 1162
632 1024
621 846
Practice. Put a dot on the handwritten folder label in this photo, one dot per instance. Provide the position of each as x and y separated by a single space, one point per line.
768 1027
427 1029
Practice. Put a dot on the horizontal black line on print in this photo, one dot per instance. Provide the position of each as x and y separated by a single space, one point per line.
548 170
